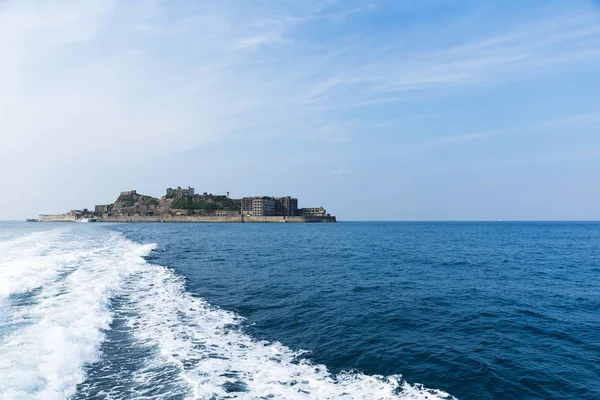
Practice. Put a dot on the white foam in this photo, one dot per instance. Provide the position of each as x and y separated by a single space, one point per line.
210 352
25 263
61 328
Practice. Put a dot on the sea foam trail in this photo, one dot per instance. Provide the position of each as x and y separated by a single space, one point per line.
67 278
215 359
71 282
27 262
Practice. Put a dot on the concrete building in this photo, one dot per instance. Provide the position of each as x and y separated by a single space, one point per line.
313 212
102 209
203 196
179 191
263 206
259 206
286 206
247 205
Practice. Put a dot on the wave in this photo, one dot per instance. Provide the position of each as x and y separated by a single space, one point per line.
25 263
194 349
46 340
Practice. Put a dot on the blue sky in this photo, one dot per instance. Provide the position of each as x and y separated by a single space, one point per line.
377 110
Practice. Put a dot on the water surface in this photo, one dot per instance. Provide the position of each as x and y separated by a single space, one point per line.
354 310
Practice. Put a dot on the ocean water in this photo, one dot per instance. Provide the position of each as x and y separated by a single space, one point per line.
300 311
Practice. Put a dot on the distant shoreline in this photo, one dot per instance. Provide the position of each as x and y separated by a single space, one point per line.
189 219
185 205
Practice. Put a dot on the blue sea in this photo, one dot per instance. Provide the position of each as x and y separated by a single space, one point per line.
300 311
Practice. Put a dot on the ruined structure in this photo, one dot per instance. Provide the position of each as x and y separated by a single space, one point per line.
183 205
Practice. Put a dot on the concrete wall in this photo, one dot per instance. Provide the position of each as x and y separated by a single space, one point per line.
182 218
288 219
191 218
199 218
56 218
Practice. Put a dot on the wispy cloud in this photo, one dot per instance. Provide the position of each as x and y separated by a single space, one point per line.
449 140
562 157
335 131
498 58
571 125
135 82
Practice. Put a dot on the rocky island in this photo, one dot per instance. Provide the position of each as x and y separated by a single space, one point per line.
184 205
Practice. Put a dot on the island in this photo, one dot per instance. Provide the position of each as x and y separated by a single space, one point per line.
184 205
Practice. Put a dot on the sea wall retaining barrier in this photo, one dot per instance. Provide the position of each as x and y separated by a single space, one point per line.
56 218
191 218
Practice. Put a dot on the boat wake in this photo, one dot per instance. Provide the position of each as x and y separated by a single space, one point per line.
85 316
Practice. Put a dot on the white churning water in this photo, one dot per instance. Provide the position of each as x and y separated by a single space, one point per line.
55 308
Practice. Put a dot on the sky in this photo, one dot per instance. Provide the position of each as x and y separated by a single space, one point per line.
376 110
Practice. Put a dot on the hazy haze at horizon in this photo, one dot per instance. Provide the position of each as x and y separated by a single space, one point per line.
381 110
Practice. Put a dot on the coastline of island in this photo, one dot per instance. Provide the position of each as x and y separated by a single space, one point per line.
184 205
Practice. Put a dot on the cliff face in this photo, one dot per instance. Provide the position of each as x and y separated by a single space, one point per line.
132 203
131 199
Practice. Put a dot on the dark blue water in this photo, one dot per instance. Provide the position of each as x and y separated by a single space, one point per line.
480 310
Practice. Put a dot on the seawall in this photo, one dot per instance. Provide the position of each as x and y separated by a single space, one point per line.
209 219
56 218
191 218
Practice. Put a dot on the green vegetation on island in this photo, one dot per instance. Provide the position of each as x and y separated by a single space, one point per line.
205 202
183 204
